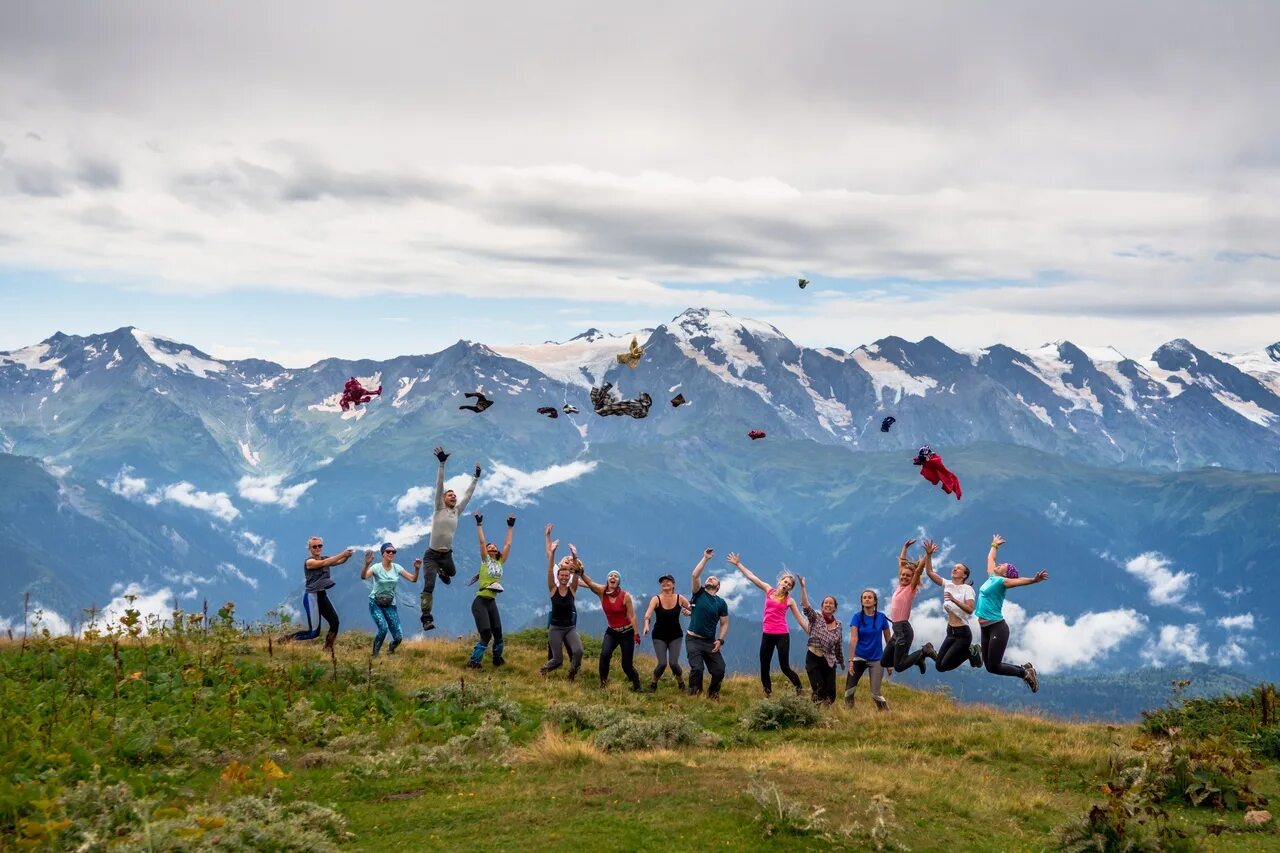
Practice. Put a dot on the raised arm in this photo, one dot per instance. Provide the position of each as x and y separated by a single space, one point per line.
368 566
804 596
551 560
471 490
327 562
480 536
996 542
506 544
412 578
597 588
737 563
697 571
902 557
441 455
795 611
1039 577
931 548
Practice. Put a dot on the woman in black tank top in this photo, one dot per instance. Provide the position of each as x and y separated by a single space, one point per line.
562 631
667 633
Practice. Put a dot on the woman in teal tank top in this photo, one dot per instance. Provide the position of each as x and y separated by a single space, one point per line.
990 612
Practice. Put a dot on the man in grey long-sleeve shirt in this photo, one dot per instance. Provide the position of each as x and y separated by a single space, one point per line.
437 560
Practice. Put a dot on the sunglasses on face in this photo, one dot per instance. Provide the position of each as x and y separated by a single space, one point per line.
317 547
389 551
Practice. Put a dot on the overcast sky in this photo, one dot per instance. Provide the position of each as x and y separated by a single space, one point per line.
295 180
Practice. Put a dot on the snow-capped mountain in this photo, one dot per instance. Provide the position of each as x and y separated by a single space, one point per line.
103 399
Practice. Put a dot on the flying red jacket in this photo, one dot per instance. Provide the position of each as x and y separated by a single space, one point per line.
755 433
353 394
935 472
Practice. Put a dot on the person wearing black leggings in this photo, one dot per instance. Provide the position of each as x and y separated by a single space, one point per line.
621 632
668 634
316 567
958 600
990 611
774 635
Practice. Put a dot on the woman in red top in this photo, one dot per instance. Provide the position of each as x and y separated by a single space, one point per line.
623 631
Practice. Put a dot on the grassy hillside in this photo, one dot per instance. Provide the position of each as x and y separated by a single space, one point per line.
227 740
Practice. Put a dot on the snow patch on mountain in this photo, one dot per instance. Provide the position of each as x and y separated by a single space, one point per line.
35 357
1052 370
250 455
887 376
830 411
406 385
1038 411
581 361
724 335
1263 365
1245 408
183 359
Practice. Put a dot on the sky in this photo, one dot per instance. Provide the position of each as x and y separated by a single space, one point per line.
317 179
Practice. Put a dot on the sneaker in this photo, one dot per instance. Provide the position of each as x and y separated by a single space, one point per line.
394 645
635 687
929 651
573 674
499 661
920 664
680 684
975 656
714 697
474 664
882 704
799 690
653 687
768 694
428 625
1029 675
444 579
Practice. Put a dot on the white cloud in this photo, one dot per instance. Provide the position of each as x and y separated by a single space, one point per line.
252 545
735 589
269 490
157 603
1164 587
515 488
1232 654
125 484
1054 644
229 570
1176 644
217 504
1242 622
40 618
1059 515
416 496
410 532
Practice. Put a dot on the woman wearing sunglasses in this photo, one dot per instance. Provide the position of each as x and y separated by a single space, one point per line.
382 598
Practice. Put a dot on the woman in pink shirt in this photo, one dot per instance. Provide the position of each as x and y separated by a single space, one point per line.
898 655
776 634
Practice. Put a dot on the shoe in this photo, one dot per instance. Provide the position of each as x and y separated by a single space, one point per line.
653 687
799 690
329 640
882 704
445 579
975 656
395 644
604 683
474 664
573 674
714 697
636 688
768 694
499 661
920 663
680 684
1029 675
428 625
929 651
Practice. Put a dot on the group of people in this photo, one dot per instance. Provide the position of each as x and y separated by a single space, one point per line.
879 642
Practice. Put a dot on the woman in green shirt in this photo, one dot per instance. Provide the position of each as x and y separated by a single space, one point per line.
484 607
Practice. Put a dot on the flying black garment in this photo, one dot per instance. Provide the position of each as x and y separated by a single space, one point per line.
604 403
804 282
886 423
569 410
549 411
482 402
678 400
755 434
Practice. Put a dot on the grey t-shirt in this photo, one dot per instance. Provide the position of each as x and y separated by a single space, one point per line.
444 523
318 580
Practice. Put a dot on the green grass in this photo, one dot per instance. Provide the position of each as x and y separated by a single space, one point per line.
415 752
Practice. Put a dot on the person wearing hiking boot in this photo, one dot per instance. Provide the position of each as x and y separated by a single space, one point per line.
990 611
484 607
621 631
382 597
774 632
562 630
437 560
316 568
664 611
868 632
958 600
898 655
708 626
824 656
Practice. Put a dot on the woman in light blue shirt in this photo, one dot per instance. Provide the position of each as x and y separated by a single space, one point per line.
990 613
382 598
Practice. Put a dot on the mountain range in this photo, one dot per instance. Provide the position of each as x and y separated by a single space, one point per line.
138 465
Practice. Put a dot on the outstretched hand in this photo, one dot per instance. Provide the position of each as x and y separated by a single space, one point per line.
368 557
997 541
511 521
930 547
477 470
908 543
440 454
708 553
417 564
802 582
733 559
479 518
1041 576
552 546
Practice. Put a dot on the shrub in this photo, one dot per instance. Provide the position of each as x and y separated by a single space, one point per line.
618 731
787 712
465 703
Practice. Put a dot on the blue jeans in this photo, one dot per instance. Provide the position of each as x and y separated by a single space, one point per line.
387 619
